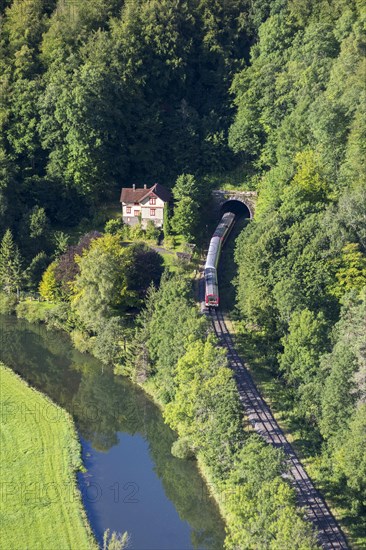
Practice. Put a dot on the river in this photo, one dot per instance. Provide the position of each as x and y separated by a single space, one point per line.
132 482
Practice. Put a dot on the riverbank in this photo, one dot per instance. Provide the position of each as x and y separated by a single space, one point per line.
125 445
36 312
240 470
41 505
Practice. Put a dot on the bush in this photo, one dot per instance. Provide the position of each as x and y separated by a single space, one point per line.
115 541
81 341
8 303
61 241
33 311
114 226
60 317
182 449
169 242
136 232
152 232
126 232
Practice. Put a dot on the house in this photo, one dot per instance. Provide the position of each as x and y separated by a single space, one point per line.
149 203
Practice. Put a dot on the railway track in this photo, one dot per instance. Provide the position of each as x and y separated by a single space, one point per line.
257 411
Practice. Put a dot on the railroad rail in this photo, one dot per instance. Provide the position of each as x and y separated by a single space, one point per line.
329 533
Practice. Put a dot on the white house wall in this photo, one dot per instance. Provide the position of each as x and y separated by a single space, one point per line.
144 209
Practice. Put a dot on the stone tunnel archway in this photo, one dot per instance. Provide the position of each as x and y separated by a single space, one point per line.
239 202
236 206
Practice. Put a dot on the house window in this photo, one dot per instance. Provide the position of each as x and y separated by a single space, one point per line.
128 210
152 200
136 213
152 212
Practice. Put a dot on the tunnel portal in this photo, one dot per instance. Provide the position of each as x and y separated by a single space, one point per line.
241 203
238 207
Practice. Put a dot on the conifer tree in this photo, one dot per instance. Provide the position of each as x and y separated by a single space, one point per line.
10 264
166 222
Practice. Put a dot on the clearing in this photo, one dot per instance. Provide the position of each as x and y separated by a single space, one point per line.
40 503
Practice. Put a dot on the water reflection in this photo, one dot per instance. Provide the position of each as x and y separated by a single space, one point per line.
133 482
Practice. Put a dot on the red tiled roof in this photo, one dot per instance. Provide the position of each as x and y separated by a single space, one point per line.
129 195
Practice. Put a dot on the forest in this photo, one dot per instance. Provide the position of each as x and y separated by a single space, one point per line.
300 122
268 94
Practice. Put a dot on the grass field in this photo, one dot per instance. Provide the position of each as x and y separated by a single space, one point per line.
40 504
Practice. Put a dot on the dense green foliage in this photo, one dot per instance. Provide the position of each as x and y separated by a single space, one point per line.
99 93
88 289
302 263
112 277
105 405
95 93
200 401
260 504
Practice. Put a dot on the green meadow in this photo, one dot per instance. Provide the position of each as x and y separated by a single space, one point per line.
40 503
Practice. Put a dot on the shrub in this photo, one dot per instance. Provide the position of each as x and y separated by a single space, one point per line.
152 232
61 317
136 232
8 303
61 241
99 218
169 242
81 341
114 226
115 541
126 232
33 311
182 448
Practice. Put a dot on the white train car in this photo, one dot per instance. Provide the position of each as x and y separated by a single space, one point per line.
219 237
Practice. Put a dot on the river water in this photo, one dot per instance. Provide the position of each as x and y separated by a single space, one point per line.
132 482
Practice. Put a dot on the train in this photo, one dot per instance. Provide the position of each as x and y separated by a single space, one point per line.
213 255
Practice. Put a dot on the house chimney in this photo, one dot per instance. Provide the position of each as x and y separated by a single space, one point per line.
145 186
134 187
